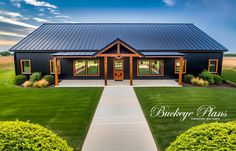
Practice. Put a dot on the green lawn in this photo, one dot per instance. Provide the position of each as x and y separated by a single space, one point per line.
189 99
66 111
229 74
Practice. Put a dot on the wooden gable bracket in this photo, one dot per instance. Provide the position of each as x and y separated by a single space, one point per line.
118 43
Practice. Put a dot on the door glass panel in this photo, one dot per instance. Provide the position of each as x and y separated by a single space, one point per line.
118 65
92 67
80 67
143 67
155 67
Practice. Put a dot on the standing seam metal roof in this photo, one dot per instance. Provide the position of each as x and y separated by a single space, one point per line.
95 36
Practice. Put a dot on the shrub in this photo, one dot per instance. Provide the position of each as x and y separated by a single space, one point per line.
206 75
49 78
20 79
217 79
17 135
188 78
35 77
211 136
41 84
27 84
199 82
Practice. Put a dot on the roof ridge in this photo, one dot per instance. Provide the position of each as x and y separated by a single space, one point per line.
119 23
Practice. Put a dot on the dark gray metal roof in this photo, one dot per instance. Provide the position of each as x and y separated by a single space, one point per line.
73 54
162 54
95 36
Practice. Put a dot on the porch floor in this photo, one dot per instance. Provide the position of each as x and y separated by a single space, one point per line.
136 83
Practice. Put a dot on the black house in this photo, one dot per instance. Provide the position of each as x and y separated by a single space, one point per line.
117 51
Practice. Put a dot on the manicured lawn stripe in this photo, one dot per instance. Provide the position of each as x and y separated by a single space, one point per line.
165 130
229 75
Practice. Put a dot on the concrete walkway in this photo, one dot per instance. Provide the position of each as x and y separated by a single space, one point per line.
136 83
119 124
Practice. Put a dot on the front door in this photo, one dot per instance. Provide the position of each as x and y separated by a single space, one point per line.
118 69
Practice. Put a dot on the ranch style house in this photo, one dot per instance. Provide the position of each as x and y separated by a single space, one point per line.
118 51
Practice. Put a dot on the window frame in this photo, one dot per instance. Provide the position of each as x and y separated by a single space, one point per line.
216 67
149 61
86 68
21 66
59 66
184 67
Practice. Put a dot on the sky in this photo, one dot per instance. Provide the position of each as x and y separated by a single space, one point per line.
217 18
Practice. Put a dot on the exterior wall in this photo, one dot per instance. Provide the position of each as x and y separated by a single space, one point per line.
39 62
196 62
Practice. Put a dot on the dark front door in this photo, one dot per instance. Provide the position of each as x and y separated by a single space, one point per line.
118 69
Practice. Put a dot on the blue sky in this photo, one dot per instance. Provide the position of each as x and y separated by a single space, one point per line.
20 17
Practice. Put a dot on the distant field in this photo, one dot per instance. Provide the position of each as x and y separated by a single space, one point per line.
6 60
229 63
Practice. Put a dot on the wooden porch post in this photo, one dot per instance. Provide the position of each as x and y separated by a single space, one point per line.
181 62
131 69
55 71
105 70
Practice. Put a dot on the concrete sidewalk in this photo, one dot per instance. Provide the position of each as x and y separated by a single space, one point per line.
119 124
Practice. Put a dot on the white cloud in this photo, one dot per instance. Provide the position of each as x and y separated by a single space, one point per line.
16 3
11 14
56 13
11 34
41 20
61 16
41 14
14 22
40 3
169 2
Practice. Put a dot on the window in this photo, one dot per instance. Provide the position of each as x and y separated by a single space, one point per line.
213 65
177 65
52 66
150 68
86 68
25 66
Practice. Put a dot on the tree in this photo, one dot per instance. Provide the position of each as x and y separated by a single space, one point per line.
5 53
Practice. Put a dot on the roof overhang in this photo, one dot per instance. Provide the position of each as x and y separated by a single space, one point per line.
73 54
162 54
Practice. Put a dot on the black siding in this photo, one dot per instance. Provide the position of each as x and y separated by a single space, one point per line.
196 62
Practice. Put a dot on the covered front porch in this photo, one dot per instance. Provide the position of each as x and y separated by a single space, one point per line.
136 83
119 64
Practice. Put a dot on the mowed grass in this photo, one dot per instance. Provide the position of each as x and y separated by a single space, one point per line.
66 111
165 130
229 74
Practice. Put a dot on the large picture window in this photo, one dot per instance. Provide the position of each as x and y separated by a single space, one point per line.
177 66
86 68
213 65
25 66
150 67
52 67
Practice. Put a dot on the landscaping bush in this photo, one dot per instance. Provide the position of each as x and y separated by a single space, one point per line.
27 84
211 136
20 79
49 78
217 79
199 82
17 135
188 78
206 75
41 84
35 77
